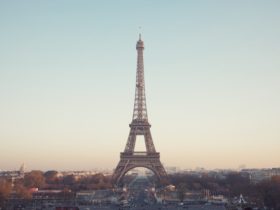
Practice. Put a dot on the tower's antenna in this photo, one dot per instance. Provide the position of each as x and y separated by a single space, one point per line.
139 32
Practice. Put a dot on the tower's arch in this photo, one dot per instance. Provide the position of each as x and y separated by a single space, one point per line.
125 171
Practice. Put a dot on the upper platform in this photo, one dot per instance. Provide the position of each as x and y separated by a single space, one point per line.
140 43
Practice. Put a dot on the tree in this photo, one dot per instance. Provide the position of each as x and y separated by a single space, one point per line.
270 190
238 184
69 180
34 179
22 191
51 177
5 190
181 191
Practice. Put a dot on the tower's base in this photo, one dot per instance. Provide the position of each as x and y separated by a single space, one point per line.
129 161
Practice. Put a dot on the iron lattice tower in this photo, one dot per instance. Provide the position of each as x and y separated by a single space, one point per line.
130 159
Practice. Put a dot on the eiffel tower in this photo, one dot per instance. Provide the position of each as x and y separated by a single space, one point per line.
130 159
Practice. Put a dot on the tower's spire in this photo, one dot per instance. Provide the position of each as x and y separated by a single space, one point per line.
140 109
139 32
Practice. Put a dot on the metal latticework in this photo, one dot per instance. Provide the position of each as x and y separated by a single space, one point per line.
139 126
140 108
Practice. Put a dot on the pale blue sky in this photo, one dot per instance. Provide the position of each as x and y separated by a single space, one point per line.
67 77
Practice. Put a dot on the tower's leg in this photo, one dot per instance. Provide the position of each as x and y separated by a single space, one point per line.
150 148
130 144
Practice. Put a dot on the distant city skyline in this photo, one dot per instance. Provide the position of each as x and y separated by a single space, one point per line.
67 77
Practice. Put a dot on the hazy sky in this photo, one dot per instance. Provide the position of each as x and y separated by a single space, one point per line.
67 82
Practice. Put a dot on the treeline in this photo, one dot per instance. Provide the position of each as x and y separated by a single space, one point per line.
266 192
71 182
49 180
